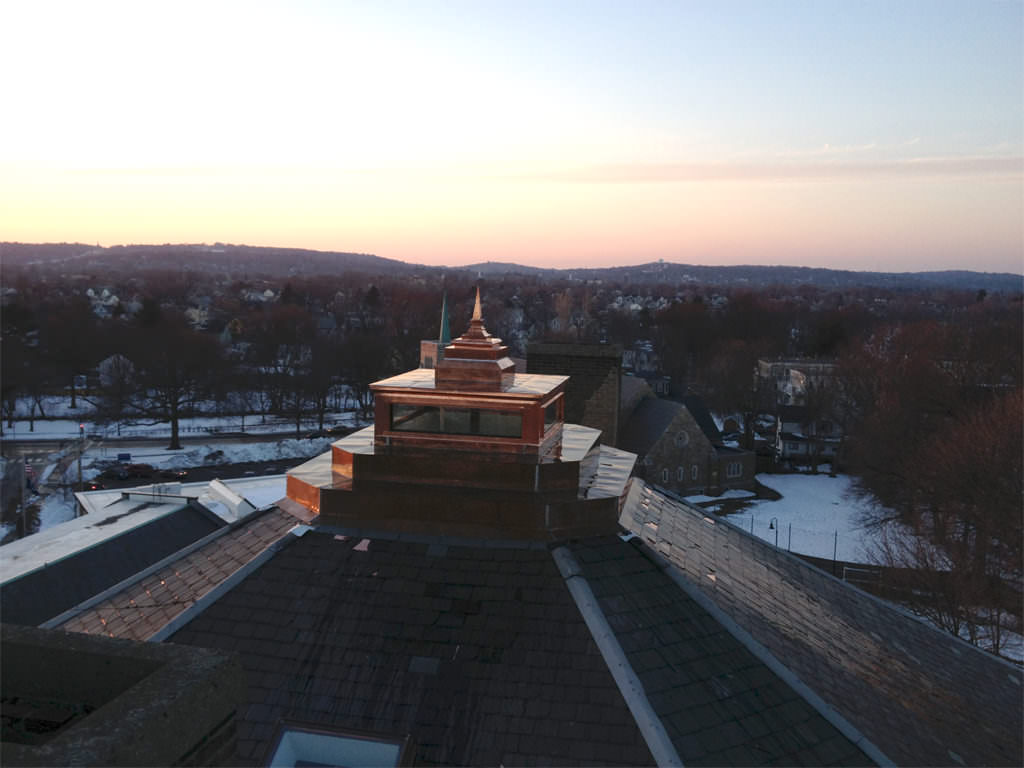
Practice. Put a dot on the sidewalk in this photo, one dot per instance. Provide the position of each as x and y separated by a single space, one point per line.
200 426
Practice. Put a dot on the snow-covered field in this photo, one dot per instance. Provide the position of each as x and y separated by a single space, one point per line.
195 454
817 515
68 429
62 423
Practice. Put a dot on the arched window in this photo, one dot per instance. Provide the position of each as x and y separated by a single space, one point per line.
664 475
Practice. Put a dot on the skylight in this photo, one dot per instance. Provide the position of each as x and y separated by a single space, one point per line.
306 747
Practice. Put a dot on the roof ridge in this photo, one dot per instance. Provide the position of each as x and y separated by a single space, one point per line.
632 690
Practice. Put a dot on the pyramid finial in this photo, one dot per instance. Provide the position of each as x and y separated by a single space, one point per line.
477 314
445 334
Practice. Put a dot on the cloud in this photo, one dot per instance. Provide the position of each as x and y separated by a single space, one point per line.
921 167
829 150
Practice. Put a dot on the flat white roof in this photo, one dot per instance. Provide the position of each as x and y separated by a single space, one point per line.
53 544
110 513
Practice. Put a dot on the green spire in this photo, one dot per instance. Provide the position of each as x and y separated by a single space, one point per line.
446 334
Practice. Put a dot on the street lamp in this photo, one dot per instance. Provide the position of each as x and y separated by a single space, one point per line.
773 526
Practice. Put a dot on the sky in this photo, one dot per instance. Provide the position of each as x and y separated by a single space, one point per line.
854 135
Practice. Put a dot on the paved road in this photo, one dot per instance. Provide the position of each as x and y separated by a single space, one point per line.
37 454
216 471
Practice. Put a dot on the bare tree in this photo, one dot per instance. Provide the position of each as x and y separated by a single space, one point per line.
959 552
173 365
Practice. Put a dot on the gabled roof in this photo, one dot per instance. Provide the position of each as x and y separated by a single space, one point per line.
703 417
648 423
653 416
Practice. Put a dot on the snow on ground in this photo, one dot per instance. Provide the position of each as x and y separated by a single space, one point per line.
732 493
62 422
193 455
68 429
1011 644
815 514
56 508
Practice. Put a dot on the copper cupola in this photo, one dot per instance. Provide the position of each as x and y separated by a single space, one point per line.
475 361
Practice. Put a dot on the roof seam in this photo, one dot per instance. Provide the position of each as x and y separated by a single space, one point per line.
632 690
764 655
181 554
223 587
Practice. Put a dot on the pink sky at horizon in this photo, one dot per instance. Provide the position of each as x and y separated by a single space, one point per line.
843 222
868 136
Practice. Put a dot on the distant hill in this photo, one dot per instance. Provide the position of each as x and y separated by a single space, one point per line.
508 268
274 262
764 276
285 262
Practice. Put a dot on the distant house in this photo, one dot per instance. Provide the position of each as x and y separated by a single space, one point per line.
802 439
642 361
787 381
680 448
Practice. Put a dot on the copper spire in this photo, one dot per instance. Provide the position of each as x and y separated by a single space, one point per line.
475 360
477 313
476 323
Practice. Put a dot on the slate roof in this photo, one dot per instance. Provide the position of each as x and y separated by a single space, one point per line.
703 417
48 591
478 652
720 704
919 695
648 422
146 604
653 415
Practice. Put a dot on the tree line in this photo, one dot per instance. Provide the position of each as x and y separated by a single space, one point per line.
927 391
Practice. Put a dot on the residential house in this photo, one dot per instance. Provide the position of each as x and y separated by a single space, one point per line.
804 440
788 381
680 448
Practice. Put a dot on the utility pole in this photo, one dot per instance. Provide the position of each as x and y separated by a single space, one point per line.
81 448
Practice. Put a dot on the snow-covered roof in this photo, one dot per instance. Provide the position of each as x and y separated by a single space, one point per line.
108 521
110 513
